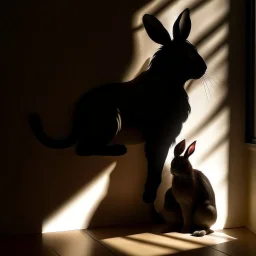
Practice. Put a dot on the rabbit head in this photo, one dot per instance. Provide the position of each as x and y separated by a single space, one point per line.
176 56
180 165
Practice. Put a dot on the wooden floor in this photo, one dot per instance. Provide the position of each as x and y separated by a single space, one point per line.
138 241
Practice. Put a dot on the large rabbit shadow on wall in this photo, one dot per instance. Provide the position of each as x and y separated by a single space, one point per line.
56 52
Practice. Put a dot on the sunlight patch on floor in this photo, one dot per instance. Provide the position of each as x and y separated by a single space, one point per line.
149 244
78 211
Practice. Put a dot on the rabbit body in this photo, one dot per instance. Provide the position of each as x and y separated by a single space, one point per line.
152 107
196 198
190 197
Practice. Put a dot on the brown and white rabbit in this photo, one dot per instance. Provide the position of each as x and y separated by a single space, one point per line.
190 202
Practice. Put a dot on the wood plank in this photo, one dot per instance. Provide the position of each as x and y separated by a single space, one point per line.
245 244
74 243
152 244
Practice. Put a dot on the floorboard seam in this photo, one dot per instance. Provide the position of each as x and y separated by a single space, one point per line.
54 250
96 240
220 251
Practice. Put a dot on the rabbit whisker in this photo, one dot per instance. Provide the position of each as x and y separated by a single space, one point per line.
213 83
210 76
207 78
208 87
205 89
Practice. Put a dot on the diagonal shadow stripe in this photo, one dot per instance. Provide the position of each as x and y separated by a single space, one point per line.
167 5
200 127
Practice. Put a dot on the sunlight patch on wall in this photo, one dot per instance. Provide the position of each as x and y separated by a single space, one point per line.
78 211
211 157
216 13
167 11
209 120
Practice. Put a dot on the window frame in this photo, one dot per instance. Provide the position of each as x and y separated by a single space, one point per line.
250 74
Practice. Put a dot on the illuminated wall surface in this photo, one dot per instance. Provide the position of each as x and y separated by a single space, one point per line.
54 53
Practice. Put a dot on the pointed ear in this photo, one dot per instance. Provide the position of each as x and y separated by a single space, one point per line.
156 30
179 148
182 26
190 150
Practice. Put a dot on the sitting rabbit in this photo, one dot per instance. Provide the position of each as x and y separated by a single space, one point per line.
190 202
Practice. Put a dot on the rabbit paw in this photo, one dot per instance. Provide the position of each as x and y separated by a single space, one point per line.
199 233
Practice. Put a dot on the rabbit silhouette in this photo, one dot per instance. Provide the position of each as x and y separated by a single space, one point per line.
190 202
154 105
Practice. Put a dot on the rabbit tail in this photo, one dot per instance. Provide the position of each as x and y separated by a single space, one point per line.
37 129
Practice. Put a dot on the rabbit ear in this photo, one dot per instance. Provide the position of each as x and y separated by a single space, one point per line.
182 26
190 150
179 148
156 30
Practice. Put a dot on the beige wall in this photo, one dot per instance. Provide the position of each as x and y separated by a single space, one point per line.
251 224
53 53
